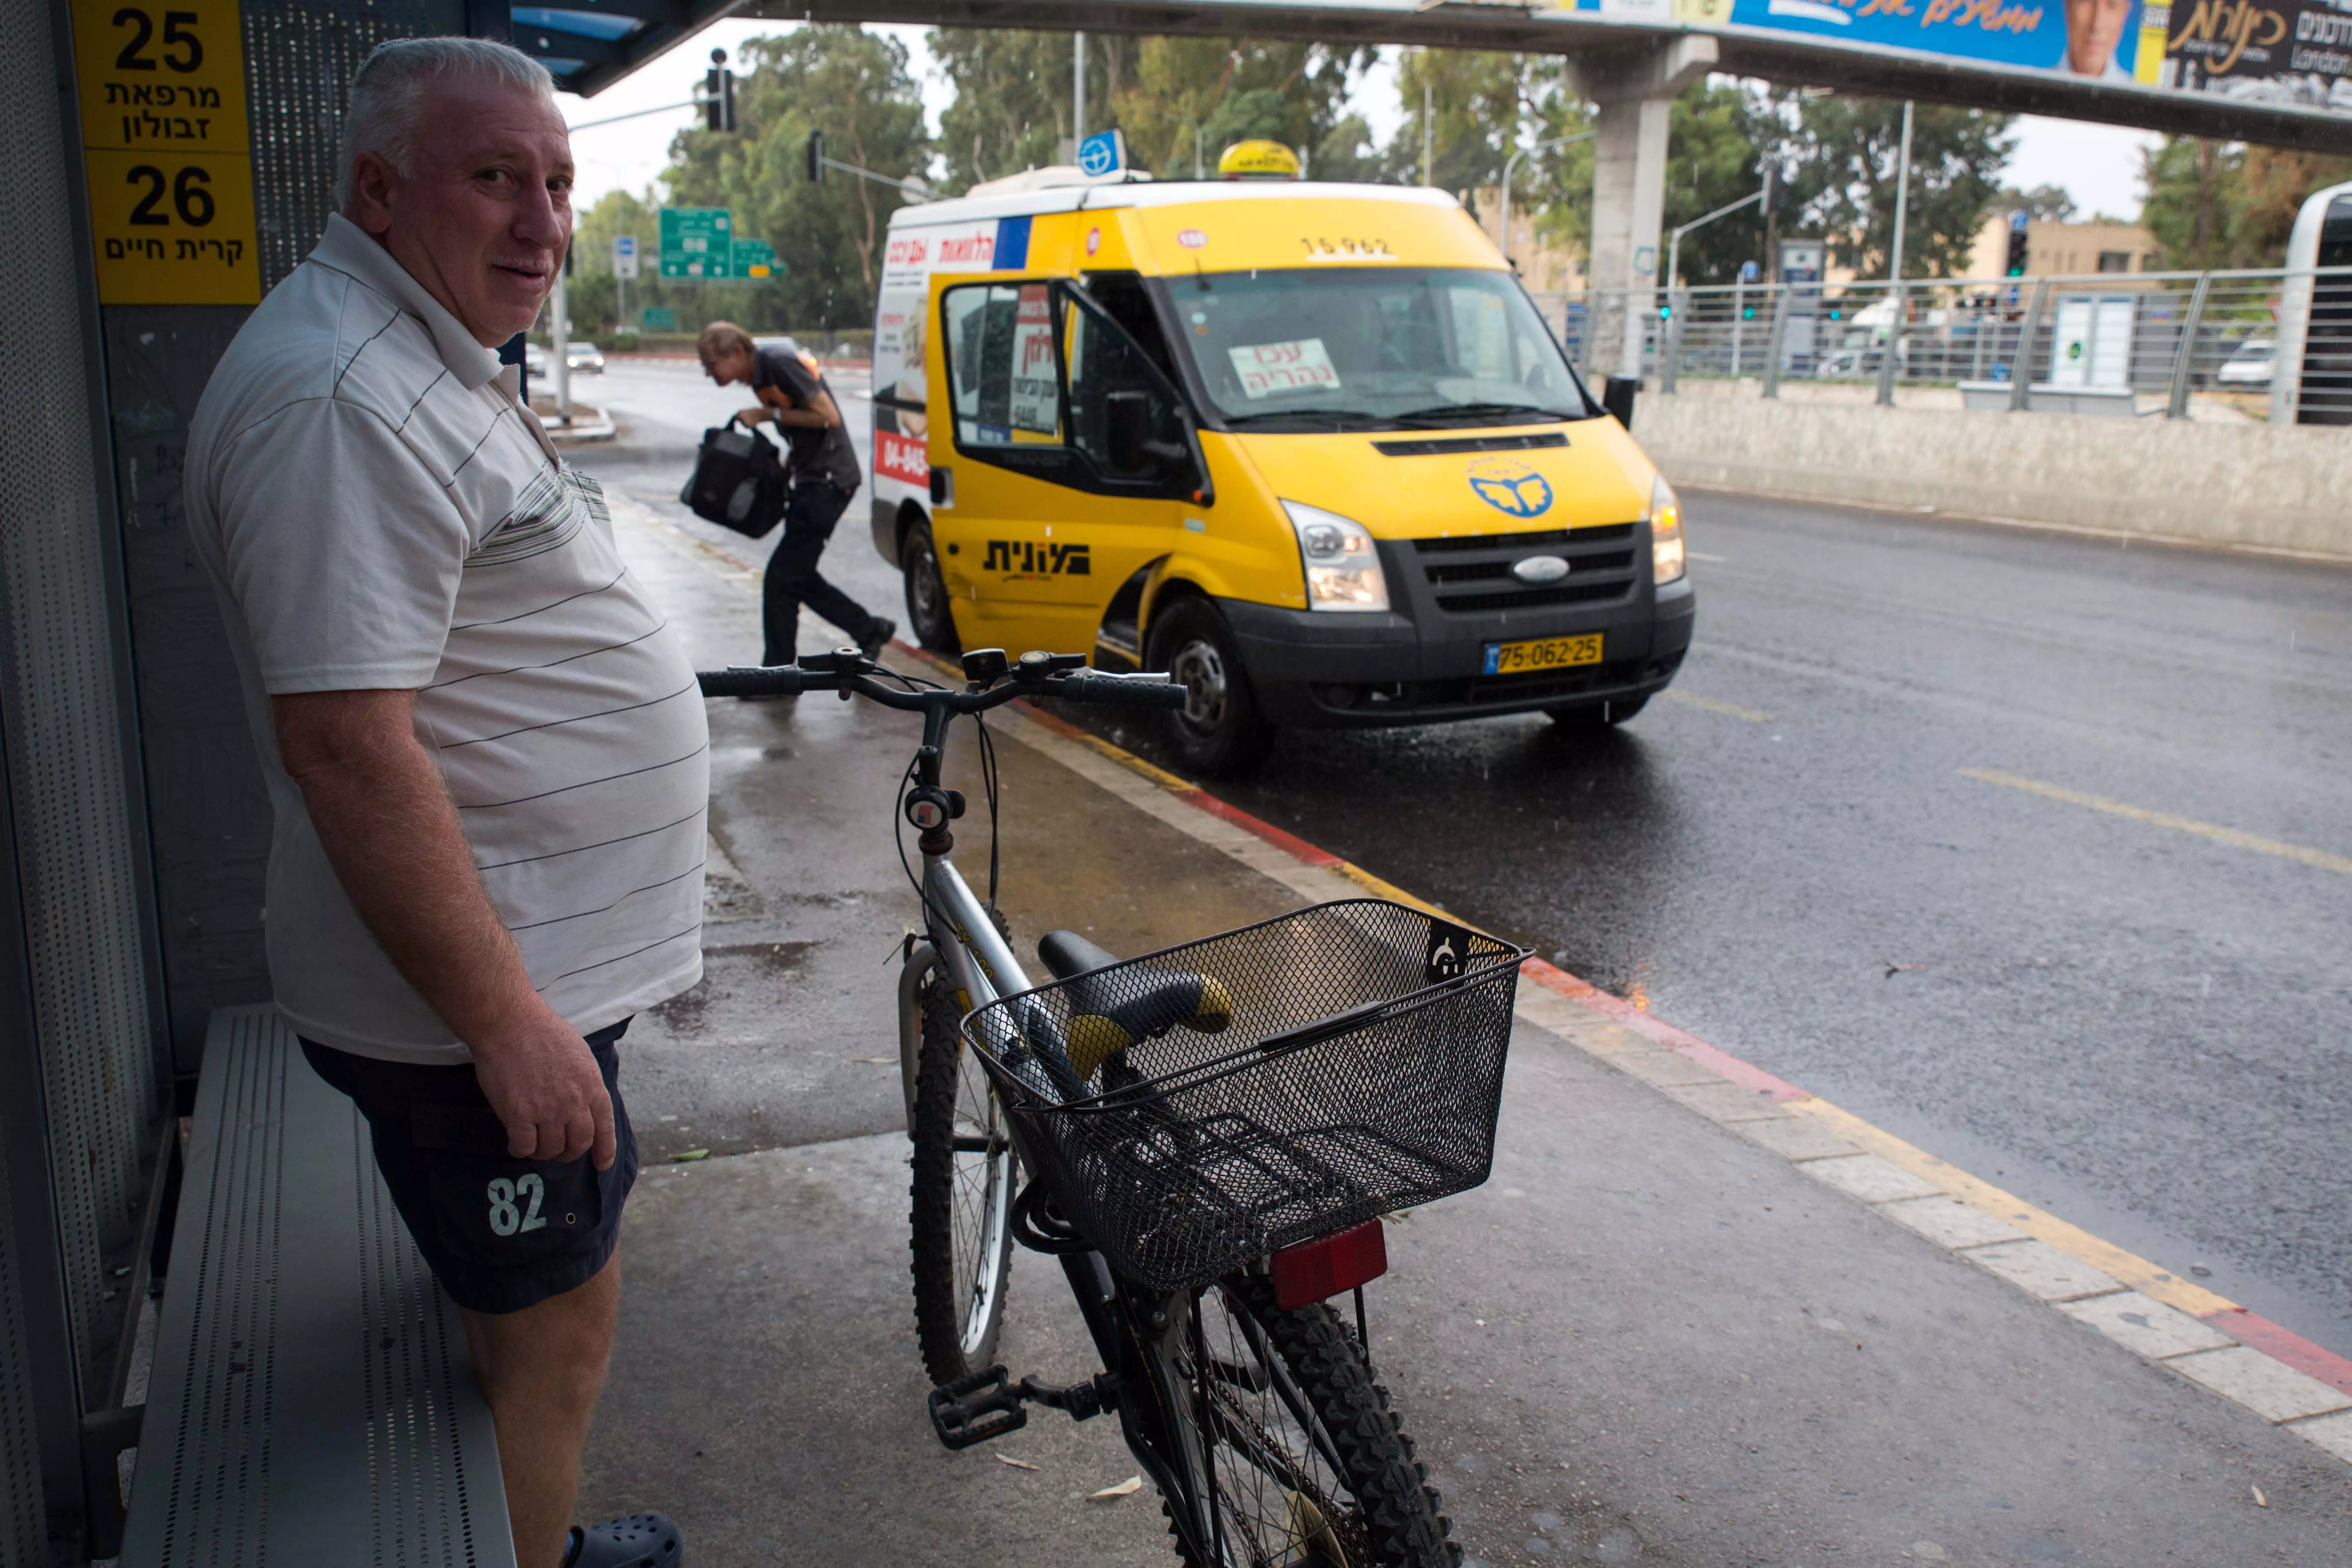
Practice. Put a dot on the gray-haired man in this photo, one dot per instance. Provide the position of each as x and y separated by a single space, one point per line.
485 755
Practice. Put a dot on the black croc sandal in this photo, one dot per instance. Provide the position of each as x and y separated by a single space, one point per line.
640 1540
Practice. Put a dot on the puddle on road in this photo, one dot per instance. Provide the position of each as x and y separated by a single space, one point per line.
727 972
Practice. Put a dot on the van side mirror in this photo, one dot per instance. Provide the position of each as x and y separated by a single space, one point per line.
1617 397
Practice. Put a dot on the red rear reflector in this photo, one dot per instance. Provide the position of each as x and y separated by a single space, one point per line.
1316 1270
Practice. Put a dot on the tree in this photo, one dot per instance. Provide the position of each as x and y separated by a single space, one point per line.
2212 205
1012 109
1838 164
1012 91
1712 161
1482 106
2194 201
856 87
2042 204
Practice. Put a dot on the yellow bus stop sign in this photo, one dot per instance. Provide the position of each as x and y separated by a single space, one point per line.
167 152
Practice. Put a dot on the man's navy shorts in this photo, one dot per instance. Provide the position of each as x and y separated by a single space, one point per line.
500 1233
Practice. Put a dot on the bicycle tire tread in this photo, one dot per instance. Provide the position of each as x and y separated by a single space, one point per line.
1403 1512
931 1200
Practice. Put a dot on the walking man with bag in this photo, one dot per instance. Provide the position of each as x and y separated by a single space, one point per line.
823 476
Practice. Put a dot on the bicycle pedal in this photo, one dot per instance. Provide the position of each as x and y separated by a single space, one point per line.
975 1409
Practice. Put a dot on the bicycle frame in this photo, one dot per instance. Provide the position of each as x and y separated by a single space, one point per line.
981 965
1137 1334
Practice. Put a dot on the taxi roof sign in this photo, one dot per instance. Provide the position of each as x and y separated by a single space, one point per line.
1257 161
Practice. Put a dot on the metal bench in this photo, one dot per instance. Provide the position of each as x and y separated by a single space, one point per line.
310 1400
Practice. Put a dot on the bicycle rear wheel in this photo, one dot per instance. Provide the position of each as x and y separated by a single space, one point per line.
961 1198
1302 1461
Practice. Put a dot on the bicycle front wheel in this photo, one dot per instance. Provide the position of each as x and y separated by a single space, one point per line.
961 1198
1299 1459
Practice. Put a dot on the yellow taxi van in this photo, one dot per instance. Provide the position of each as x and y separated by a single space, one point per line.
1308 447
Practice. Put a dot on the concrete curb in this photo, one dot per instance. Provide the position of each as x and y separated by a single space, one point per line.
2206 1338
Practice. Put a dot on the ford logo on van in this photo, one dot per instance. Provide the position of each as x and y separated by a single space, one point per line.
1511 487
1539 569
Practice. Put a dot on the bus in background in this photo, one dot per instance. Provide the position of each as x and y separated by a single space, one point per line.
2312 384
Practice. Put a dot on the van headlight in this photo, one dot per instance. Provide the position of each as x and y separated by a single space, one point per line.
1343 568
1666 533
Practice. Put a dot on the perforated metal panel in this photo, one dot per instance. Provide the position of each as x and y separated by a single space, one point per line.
299 56
58 668
20 1459
207 815
310 1401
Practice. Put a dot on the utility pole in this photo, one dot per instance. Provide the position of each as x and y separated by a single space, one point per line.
1428 121
1894 312
1902 197
1078 94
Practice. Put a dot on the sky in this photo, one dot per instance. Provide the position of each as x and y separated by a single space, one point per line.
2098 165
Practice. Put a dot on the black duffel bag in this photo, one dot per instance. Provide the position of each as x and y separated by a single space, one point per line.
738 480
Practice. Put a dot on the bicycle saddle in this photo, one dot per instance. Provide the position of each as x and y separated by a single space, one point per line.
1109 1014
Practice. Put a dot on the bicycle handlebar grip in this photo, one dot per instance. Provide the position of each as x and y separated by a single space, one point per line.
1118 691
783 680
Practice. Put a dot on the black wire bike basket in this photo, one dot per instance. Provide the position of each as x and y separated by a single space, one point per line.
1199 1108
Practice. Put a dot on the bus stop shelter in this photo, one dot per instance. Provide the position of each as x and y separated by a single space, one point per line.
167 163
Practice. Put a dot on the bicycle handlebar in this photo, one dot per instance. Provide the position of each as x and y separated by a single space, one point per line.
1070 686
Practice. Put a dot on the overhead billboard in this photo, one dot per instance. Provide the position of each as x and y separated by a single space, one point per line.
2294 53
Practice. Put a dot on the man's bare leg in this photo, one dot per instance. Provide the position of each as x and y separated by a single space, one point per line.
542 1369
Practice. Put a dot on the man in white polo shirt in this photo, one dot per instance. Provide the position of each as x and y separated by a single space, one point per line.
486 754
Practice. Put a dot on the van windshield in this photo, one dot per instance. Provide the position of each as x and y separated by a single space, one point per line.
1372 348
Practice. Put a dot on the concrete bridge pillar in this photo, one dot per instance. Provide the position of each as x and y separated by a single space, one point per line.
1632 92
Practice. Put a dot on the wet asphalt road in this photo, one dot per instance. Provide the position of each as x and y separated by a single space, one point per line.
2139 1026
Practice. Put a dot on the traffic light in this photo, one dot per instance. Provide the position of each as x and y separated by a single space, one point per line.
2017 237
817 157
719 94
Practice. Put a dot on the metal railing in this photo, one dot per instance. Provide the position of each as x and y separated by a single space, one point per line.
2185 344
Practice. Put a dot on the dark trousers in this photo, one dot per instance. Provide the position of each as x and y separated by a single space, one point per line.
810 513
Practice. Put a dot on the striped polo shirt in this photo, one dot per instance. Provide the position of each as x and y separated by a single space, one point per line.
379 511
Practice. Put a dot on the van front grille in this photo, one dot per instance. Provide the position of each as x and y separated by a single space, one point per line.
1472 575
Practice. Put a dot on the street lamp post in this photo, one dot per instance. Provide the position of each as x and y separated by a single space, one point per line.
1512 163
1888 355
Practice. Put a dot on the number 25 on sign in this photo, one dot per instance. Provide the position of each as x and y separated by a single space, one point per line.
167 150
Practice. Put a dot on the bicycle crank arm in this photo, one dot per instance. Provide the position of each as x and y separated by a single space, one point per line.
1082 1401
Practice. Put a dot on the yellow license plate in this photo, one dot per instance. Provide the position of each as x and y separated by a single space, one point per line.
1542 653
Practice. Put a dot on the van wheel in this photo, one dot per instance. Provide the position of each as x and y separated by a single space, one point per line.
1219 730
927 591
1596 716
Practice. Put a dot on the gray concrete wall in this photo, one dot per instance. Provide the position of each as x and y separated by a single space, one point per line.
2242 485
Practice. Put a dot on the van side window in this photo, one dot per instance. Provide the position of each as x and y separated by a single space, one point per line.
1123 296
1003 365
1111 379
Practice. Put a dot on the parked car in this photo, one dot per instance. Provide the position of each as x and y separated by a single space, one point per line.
584 357
2251 365
534 361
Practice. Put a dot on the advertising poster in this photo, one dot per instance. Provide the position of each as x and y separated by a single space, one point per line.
2290 53
2098 40
2295 52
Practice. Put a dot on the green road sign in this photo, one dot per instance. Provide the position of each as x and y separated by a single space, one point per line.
660 319
755 259
697 242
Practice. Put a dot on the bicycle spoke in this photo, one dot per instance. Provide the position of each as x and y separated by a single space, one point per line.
1272 1470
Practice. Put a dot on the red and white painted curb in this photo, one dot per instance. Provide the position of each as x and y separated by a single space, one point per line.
2237 1353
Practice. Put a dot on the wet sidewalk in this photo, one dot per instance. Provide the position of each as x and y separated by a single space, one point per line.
1670 1329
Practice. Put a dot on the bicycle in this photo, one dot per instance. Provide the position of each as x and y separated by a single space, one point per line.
1211 1135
